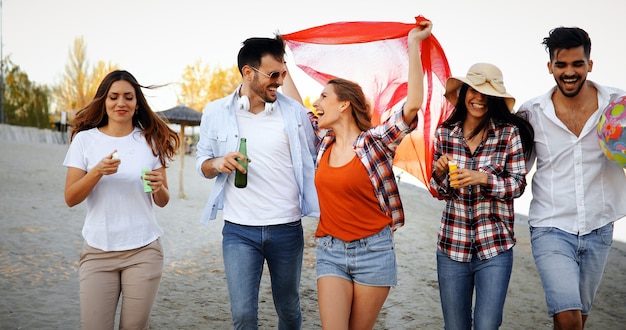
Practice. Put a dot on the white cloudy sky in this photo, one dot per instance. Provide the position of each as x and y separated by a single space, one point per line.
156 39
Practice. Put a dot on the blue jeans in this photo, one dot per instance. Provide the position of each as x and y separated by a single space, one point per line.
245 249
570 266
457 282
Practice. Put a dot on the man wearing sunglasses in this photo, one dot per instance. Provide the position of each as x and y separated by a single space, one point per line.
262 222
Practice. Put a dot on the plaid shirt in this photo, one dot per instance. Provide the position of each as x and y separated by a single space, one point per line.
376 148
480 219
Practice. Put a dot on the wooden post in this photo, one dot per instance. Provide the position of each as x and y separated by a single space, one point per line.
181 190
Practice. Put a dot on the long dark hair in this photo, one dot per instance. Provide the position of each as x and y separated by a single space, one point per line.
497 111
162 139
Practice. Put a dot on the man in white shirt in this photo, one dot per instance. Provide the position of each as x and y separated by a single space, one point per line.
262 222
577 190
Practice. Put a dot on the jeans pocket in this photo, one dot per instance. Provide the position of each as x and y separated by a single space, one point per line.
324 243
606 234
379 244
538 232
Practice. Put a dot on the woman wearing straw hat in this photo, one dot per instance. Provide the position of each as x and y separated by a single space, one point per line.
489 145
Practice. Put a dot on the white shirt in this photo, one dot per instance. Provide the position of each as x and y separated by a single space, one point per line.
219 135
271 196
119 214
575 188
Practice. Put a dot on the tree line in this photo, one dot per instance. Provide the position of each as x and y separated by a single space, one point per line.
29 104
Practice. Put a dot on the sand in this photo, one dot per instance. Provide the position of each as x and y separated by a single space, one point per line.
40 242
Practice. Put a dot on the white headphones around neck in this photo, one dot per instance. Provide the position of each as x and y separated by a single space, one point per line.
244 104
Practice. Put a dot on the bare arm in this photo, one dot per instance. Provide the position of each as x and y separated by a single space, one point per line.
227 164
78 183
415 86
289 88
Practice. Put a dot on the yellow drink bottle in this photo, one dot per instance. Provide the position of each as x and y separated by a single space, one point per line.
451 167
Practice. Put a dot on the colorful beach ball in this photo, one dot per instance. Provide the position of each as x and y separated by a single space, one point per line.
612 131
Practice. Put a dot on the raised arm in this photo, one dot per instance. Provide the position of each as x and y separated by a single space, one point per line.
289 88
415 86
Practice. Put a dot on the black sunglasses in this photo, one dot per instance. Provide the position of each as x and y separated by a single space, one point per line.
271 75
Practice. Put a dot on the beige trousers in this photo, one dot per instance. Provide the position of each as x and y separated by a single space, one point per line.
104 276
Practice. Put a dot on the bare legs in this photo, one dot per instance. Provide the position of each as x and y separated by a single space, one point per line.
569 320
347 305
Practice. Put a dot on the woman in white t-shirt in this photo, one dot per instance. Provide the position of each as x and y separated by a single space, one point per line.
114 139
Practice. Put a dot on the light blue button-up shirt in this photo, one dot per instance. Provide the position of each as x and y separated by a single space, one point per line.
219 135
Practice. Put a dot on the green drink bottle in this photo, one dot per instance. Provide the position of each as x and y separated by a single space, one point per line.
241 179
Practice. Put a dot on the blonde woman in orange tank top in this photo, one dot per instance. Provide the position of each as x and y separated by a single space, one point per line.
359 201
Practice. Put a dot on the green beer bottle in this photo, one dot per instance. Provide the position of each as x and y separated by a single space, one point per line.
241 179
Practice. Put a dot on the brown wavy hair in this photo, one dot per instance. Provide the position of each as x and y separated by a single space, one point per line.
162 139
347 90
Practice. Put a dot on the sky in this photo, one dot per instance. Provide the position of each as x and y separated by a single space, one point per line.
156 39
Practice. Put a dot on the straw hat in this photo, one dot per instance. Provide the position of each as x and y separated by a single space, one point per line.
485 78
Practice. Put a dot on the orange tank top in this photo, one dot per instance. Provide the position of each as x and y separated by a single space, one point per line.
349 209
